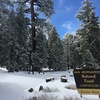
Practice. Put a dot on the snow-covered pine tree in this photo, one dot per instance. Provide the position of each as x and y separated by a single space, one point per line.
22 34
2 28
4 4
77 56
2 24
88 34
9 42
35 8
47 27
56 59
69 50
14 40
94 36
40 57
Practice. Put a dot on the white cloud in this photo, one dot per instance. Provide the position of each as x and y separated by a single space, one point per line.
67 25
68 9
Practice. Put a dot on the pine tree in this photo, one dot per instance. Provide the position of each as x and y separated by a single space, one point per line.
14 41
35 9
22 32
94 37
56 59
9 42
4 11
39 58
88 34
69 50
77 56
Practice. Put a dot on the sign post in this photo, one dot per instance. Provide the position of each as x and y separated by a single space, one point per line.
87 81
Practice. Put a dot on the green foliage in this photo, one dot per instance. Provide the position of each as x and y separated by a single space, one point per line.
70 52
88 36
39 58
14 41
56 58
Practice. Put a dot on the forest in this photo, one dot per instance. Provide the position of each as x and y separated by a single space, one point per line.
30 42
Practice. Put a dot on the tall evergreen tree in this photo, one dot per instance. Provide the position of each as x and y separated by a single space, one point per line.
22 32
77 56
56 59
9 42
4 11
14 40
69 50
88 35
39 58
35 9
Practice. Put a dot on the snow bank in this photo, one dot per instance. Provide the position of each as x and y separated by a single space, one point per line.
15 86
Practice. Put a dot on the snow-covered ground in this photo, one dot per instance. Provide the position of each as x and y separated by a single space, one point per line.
15 86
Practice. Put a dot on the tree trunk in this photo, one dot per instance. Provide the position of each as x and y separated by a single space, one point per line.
33 29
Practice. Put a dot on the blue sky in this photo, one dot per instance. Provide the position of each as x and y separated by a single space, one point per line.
64 18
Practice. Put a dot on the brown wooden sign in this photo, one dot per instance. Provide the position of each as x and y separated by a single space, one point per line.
87 81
